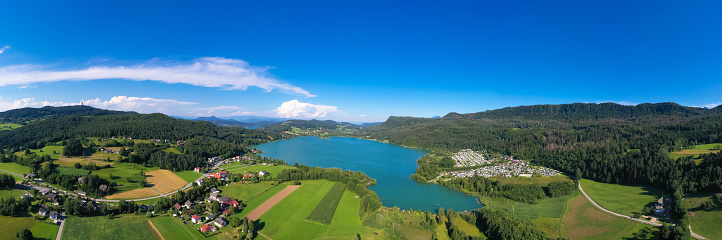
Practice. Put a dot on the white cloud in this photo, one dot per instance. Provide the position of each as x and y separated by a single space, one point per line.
26 86
296 109
713 105
362 115
230 74
2 49
122 103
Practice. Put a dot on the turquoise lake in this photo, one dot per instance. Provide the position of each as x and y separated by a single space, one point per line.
391 166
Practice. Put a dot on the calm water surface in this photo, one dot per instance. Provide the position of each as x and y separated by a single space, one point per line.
390 165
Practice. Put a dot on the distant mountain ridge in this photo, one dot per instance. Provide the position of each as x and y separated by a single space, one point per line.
589 111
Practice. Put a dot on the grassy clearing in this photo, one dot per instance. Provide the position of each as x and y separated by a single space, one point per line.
623 199
273 170
286 220
173 228
11 193
466 227
696 151
165 181
323 213
541 180
189 176
124 173
15 168
66 170
45 231
547 213
584 221
245 192
704 222
11 225
122 227
9 126
172 150
441 232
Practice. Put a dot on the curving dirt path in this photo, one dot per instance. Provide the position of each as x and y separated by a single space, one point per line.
268 204
628 217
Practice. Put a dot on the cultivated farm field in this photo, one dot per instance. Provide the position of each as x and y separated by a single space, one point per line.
165 181
323 213
583 221
135 193
245 192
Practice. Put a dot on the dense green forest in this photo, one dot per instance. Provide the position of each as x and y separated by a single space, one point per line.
308 124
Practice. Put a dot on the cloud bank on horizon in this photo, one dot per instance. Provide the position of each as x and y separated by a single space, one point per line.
288 109
215 72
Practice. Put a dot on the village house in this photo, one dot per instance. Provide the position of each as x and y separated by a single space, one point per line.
231 202
199 182
219 222
103 187
52 196
236 158
262 173
43 212
80 180
188 204
215 190
209 199
223 199
54 215
196 219
197 169
27 195
211 216
207 228
81 193
214 196
177 206
30 176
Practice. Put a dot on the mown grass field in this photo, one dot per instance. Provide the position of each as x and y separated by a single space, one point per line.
188 176
541 180
696 151
165 181
286 220
704 222
623 199
441 231
172 150
121 227
11 225
13 193
173 228
273 170
70 162
45 231
15 168
245 192
467 228
547 214
9 126
584 221
122 171
323 212
66 170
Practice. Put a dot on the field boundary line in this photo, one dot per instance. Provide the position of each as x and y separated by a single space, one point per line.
259 233
156 230
268 204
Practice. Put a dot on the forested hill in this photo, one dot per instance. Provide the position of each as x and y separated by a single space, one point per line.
137 126
591 111
610 142
233 123
24 115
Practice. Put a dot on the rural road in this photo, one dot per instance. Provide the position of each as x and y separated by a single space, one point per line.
60 230
628 217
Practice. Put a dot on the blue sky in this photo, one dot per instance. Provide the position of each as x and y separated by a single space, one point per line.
357 61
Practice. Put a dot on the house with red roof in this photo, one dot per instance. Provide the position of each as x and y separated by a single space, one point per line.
196 219
208 228
231 202
197 169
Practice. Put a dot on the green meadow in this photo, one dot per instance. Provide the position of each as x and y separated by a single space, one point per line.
286 220
9 126
583 221
547 213
188 176
121 227
622 199
15 168
245 192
